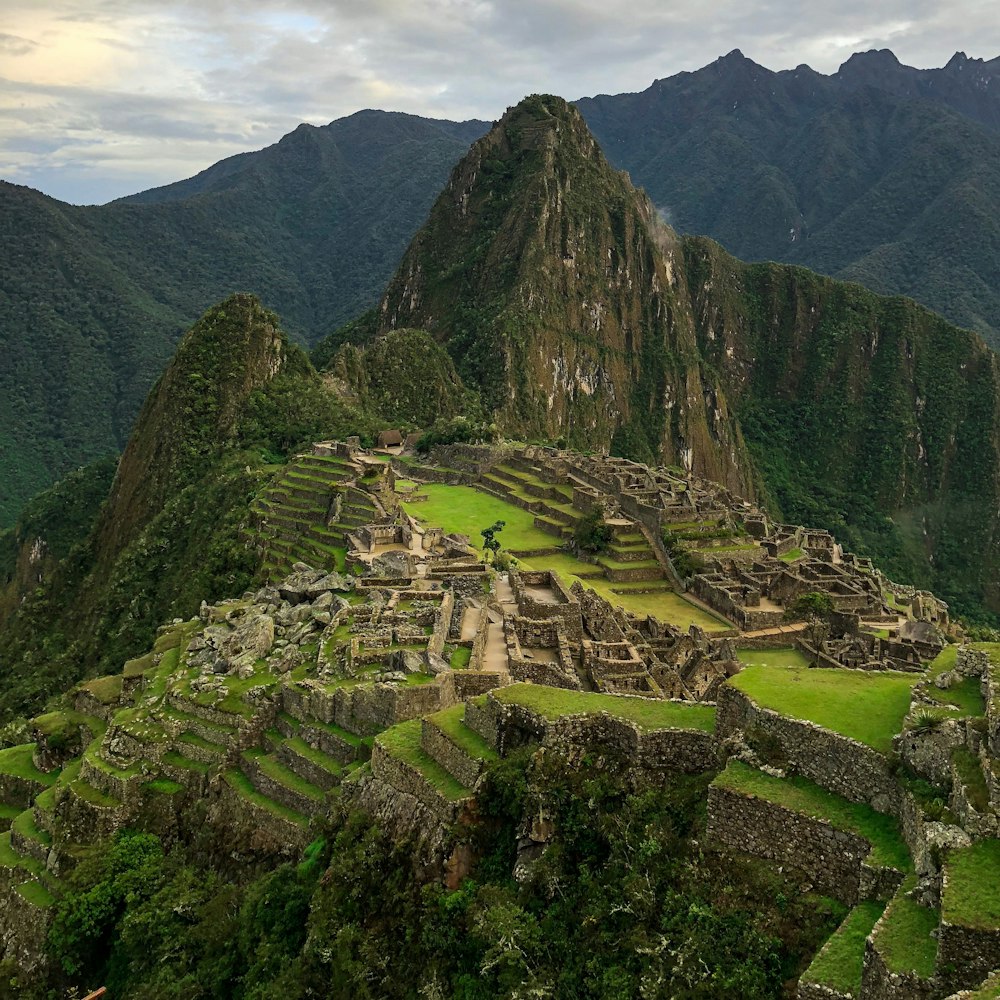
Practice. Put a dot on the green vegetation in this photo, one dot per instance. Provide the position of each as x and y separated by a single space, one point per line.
966 694
450 723
460 659
971 896
868 707
779 656
590 533
800 795
904 939
839 963
17 761
970 773
648 714
403 741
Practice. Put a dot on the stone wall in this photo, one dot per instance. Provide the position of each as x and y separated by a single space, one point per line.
966 955
451 757
567 610
408 780
878 983
814 991
833 860
838 763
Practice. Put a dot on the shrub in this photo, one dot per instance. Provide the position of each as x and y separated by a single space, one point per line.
591 533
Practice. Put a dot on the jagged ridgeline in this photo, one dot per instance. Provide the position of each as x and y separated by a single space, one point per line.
578 315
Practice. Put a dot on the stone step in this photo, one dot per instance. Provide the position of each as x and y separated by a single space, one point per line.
241 784
279 783
196 747
462 752
27 839
308 763
214 732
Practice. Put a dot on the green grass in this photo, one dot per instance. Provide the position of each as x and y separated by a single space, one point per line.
403 741
450 722
866 706
971 896
240 783
647 713
461 658
781 656
904 938
839 962
317 757
970 773
944 661
107 690
94 796
467 511
36 894
175 759
163 786
17 762
278 772
65 723
966 694
791 555
802 796
7 813
26 826
9 858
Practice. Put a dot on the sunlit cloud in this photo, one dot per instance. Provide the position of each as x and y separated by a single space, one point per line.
100 98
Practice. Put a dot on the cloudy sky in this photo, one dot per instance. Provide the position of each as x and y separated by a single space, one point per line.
100 98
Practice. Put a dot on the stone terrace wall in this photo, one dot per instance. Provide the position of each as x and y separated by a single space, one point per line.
878 983
408 780
966 956
833 860
837 763
814 991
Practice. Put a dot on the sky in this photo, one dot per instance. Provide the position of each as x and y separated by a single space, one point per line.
103 98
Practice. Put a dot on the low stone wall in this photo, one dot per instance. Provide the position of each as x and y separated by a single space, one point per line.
837 763
472 683
878 983
966 955
277 791
23 930
305 768
814 991
451 757
408 780
833 860
252 829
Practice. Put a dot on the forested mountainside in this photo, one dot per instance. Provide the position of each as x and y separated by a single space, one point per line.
880 173
94 299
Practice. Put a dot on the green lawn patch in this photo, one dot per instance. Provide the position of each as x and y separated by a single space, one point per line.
839 962
26 826
163 786
646 713
966 694
461 658
94 796
780 656
403 741
791 555
971 896
175 759
36 894
451 723
107 690
9 858
467 511
16 761
7 813
904 938
240 783
866 706
278 772
803 796
317 757
970 773
944 661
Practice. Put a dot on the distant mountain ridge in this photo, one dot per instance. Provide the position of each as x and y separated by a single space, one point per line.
880 173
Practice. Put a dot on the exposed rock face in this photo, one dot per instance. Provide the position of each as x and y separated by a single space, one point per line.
553 286
250 641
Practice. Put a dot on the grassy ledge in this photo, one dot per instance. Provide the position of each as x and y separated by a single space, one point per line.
904 936
802 796
838 964
241 784
403 741
647 713
17 762
866 706
971 896
451 723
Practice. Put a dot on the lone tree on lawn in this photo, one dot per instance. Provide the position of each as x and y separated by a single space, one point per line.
491 543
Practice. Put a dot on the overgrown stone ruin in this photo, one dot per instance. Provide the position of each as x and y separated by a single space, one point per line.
382 662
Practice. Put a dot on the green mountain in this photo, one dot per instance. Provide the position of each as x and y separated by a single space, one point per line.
167 532
879 173
94 299
578 315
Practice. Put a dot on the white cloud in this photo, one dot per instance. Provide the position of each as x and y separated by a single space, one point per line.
118 95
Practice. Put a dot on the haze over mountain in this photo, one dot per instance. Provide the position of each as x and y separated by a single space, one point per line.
880 173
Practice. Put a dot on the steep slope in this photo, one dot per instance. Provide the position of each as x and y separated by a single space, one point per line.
558 293
94 299
545 275
879 173
211 434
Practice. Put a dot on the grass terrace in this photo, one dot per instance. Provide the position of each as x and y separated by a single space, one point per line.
16 761
839 962
781 656
802 796
647 713
242 785
451 722
866 706
403 741
971 896
904 939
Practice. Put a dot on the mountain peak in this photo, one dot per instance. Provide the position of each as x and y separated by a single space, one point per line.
871 62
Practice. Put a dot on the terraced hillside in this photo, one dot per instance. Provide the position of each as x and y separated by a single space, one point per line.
308 513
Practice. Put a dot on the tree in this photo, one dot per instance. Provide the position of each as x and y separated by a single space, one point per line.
491 544
591 533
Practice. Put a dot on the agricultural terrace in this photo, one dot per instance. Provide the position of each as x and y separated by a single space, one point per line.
467 511
864 705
